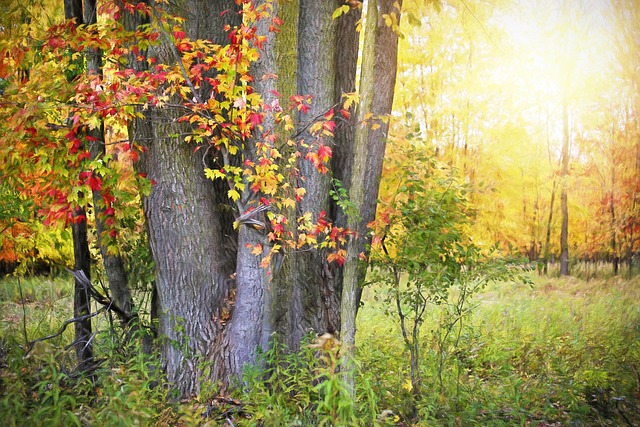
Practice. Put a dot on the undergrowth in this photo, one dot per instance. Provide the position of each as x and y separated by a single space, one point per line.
563 352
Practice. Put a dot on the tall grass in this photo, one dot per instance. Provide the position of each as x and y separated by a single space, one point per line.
563 351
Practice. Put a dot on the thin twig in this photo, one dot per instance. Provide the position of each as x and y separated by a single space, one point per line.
62 329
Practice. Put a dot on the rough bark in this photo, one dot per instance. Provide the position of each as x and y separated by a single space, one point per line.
194 262
356 194
285 49
193 269
252 321
314 303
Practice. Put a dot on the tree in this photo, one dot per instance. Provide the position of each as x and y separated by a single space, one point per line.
377 88
223 307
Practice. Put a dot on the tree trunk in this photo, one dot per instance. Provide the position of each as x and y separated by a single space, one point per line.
193 268
356 194
81 255
81 298
113 264
314 300
377 85
188 239
564 231
547 241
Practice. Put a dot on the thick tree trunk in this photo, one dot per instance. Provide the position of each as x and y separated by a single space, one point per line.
193 268
189 231
314 302
252 320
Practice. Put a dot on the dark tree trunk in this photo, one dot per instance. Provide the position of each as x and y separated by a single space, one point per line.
113 264
81 298
81 255
547 241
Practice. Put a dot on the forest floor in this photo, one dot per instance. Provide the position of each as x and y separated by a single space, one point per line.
560 352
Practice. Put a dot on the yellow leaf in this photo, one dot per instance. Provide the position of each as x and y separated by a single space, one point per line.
340 11
233 195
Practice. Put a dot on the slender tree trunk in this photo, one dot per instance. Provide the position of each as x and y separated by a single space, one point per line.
564 231
356 193
547 241
81 298
377 85
113 264
615 261
81 255
384 81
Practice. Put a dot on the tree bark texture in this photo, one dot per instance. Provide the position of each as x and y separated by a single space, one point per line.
252 320
217 305
193 268
314 304
188 240
351 283
385 67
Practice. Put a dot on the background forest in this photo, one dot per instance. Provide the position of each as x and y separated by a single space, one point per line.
197 199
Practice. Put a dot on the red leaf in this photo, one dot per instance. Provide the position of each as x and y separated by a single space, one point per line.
255 119
95 183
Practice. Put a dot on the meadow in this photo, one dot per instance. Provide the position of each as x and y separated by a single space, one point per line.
559 352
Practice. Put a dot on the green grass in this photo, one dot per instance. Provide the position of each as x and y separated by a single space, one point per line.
563 352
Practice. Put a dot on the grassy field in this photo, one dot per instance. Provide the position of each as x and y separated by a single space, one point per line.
563 352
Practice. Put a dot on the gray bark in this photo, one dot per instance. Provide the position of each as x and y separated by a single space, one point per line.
351 284
188 227
314 304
